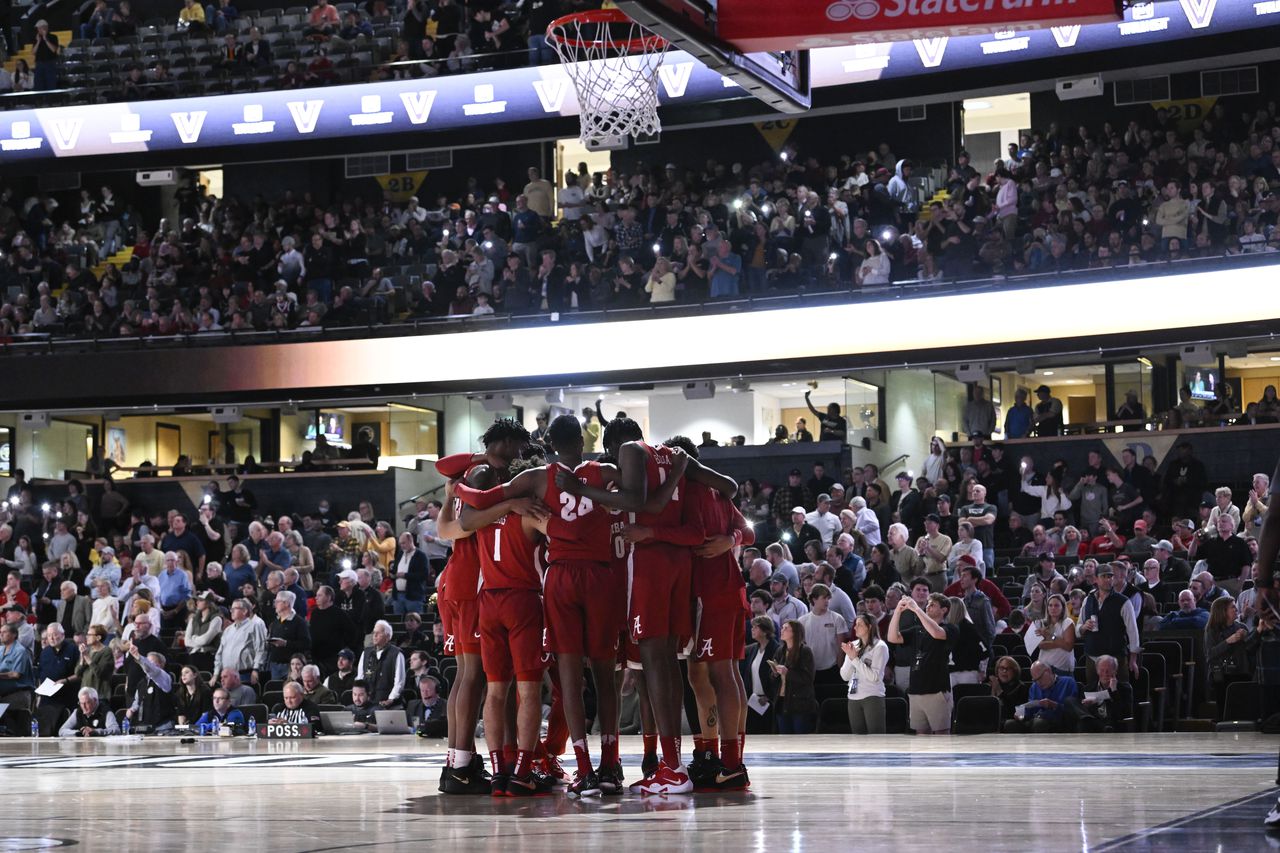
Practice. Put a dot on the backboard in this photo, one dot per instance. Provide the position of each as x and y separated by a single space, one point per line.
779 77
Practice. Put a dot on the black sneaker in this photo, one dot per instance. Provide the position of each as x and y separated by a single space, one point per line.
585 786
444 774
703 769
528 786
612 783
729 780
478 770
498 785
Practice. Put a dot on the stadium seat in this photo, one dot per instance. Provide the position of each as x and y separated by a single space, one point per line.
1243 705
895 715
833 717
977 715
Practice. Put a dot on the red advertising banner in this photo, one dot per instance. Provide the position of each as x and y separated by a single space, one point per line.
758 25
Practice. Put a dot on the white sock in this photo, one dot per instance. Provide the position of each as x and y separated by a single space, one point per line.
461 758
448 762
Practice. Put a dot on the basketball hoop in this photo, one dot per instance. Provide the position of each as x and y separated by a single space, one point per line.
613 63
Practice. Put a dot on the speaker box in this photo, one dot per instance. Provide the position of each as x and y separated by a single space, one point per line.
225 414
33 420
497 402
974 372
703 389
1075 88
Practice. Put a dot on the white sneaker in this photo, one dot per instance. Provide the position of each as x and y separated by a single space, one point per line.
1272 820
666 781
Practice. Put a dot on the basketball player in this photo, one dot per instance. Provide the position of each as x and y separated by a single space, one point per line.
659 608
510 621
585 604
721 614
464 771
1265 582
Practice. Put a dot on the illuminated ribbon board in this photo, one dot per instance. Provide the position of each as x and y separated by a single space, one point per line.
529 94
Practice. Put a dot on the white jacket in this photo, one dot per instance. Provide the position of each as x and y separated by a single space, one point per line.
869 670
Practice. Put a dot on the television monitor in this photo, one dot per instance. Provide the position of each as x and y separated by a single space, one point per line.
334 425
1203 382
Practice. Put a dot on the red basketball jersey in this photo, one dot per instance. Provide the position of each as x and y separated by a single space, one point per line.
578 528
714 513
462 574
507 559
657 469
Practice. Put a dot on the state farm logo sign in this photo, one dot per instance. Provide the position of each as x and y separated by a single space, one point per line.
863 10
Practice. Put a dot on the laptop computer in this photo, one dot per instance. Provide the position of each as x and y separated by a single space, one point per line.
392 722
339 723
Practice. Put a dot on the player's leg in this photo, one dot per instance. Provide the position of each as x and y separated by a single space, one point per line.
666 693
608 702
731 704
572 686
495 712
509 747
708 712
522 616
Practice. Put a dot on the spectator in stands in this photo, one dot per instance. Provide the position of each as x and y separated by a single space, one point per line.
931 639
98 24
192 697
784 606
1006 685
1047 709
243 645
1256 504
256 52
322 21
411 575
427 711
1226 555
152 700
1109 625
47 52
220 16
191 17
382 667
865 658
1106 703
1230 647
793 667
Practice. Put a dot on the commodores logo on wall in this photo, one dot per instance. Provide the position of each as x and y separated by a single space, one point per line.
865 10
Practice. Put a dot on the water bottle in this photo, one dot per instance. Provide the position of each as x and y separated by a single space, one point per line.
35 728
253 727
124 726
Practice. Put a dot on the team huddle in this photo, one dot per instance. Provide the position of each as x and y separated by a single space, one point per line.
570 564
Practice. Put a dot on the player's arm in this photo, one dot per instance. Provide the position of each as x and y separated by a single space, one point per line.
700 473
447 526
632 483
455 465
523 485
688 532
482 478
740 533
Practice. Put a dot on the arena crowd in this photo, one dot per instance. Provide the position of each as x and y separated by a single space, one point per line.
668 232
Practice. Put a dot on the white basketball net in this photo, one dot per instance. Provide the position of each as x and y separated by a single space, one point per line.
617 88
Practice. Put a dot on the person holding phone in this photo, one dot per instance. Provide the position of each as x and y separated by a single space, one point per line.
792 665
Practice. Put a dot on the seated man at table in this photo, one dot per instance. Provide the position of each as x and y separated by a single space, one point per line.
362 707
91 718
427 712
222 714
297 708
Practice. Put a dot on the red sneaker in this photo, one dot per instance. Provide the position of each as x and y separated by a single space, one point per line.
551 766
666 780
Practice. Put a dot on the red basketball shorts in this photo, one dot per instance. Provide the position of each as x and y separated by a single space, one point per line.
511 634
659 596
584 608
722 626
461 627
